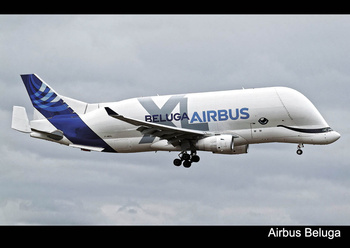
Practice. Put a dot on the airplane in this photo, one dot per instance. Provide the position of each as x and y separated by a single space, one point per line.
221 122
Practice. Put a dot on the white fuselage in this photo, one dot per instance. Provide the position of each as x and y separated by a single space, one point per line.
275 114
224 122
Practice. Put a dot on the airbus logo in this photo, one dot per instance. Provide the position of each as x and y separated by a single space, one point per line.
202 117
220 115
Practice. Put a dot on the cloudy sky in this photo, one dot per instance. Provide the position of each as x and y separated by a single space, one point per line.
111 58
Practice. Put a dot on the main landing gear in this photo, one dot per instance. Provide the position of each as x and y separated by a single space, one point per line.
299 151
186 159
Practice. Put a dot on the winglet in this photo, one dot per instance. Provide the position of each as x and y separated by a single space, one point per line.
110 112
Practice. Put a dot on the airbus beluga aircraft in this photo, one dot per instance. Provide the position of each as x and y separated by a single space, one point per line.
222 122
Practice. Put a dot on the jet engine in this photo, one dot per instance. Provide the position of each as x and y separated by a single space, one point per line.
223 144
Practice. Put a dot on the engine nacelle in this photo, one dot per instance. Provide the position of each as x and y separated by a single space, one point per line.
240 149
221 144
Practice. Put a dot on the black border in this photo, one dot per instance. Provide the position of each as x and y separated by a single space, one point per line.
164 235
182 7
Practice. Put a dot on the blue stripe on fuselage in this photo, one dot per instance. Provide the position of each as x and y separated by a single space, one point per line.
75 129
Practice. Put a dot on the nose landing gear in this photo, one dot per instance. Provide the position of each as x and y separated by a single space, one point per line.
299 151
186 159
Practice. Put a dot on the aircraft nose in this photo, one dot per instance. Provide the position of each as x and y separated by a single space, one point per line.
333 136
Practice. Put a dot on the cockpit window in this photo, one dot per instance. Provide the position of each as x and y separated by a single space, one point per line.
327 129
305 130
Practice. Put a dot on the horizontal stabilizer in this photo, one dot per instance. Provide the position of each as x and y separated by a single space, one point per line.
56 135
20 120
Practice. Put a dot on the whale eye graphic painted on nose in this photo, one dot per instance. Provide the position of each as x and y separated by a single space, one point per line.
263 121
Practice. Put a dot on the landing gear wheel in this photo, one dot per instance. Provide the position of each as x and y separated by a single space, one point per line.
299 151
187 164
186 159
185 156
195 158
177 162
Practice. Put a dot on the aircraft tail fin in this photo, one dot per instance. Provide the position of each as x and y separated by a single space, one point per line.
44 98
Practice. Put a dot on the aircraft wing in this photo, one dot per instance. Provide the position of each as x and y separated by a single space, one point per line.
173 134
